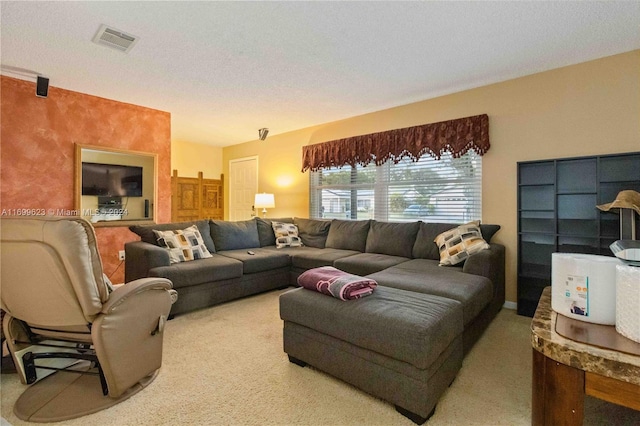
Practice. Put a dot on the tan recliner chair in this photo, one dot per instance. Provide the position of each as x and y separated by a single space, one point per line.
60 309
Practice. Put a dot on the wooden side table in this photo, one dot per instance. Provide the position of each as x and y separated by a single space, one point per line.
599 363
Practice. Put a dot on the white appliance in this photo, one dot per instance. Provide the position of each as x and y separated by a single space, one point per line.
583 286
628 301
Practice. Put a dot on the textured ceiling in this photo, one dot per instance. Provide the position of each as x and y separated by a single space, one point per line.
225 69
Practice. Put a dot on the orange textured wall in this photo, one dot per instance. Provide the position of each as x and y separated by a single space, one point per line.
38 137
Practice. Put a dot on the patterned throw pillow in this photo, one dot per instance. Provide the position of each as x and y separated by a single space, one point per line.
286 234
183 245
457 244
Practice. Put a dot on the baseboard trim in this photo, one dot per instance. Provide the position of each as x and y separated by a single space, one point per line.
510 305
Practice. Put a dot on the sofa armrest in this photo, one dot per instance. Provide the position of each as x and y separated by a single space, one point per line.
141 257
489 263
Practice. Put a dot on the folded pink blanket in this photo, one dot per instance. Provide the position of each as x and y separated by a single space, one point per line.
334 282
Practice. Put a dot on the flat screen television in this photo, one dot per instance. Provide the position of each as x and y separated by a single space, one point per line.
111 180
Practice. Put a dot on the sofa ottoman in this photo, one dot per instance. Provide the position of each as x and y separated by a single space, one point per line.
400 346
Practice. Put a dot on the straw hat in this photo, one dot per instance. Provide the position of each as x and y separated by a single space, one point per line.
625 200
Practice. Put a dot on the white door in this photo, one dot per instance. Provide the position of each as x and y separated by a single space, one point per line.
243 185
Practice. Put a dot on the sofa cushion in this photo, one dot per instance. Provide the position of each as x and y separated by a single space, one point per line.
348 235
313 232
185 274
303 258
147 235
394 239
425 246
262 259
286 234
183 244
234 235
426 276
367 263
414 328
457 244
265 230
488 231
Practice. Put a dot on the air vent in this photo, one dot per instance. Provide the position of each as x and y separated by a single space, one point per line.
115 39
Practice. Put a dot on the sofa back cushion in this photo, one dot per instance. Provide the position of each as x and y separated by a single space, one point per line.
425 246
394 239
148 236
348 235
265 230
488 231
313 232
235 235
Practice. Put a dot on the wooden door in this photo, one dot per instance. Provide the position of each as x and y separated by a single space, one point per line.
243 185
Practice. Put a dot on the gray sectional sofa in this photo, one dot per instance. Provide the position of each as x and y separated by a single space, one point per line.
404 343
245 261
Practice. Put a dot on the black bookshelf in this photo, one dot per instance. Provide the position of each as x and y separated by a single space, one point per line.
557 212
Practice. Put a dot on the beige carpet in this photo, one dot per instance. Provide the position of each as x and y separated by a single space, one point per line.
225 366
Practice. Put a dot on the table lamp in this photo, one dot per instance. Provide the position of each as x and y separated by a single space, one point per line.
264 201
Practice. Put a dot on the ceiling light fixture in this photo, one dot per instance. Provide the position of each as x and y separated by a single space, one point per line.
262 133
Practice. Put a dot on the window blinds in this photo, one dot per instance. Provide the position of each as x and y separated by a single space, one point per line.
447 190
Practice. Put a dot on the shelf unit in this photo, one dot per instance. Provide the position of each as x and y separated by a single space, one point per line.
557 212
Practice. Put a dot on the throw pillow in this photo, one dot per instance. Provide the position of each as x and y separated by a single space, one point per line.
183 244
148 236
457 244
265 230
286 235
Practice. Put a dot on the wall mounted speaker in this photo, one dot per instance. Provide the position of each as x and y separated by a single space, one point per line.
146 208
42 87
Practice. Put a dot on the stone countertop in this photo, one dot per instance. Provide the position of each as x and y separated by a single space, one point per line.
605 362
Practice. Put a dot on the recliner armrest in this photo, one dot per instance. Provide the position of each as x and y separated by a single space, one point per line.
141 257
489 263
121 293
127 335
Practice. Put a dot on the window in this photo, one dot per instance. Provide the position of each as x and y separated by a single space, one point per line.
446 190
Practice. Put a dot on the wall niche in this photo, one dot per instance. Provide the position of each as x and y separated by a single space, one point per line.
115 187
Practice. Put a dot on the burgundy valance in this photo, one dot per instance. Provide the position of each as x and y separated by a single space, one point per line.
454 136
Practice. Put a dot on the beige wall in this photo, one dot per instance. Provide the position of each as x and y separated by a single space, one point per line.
586 109
190 158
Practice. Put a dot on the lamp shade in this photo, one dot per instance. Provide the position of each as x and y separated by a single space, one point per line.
264 201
